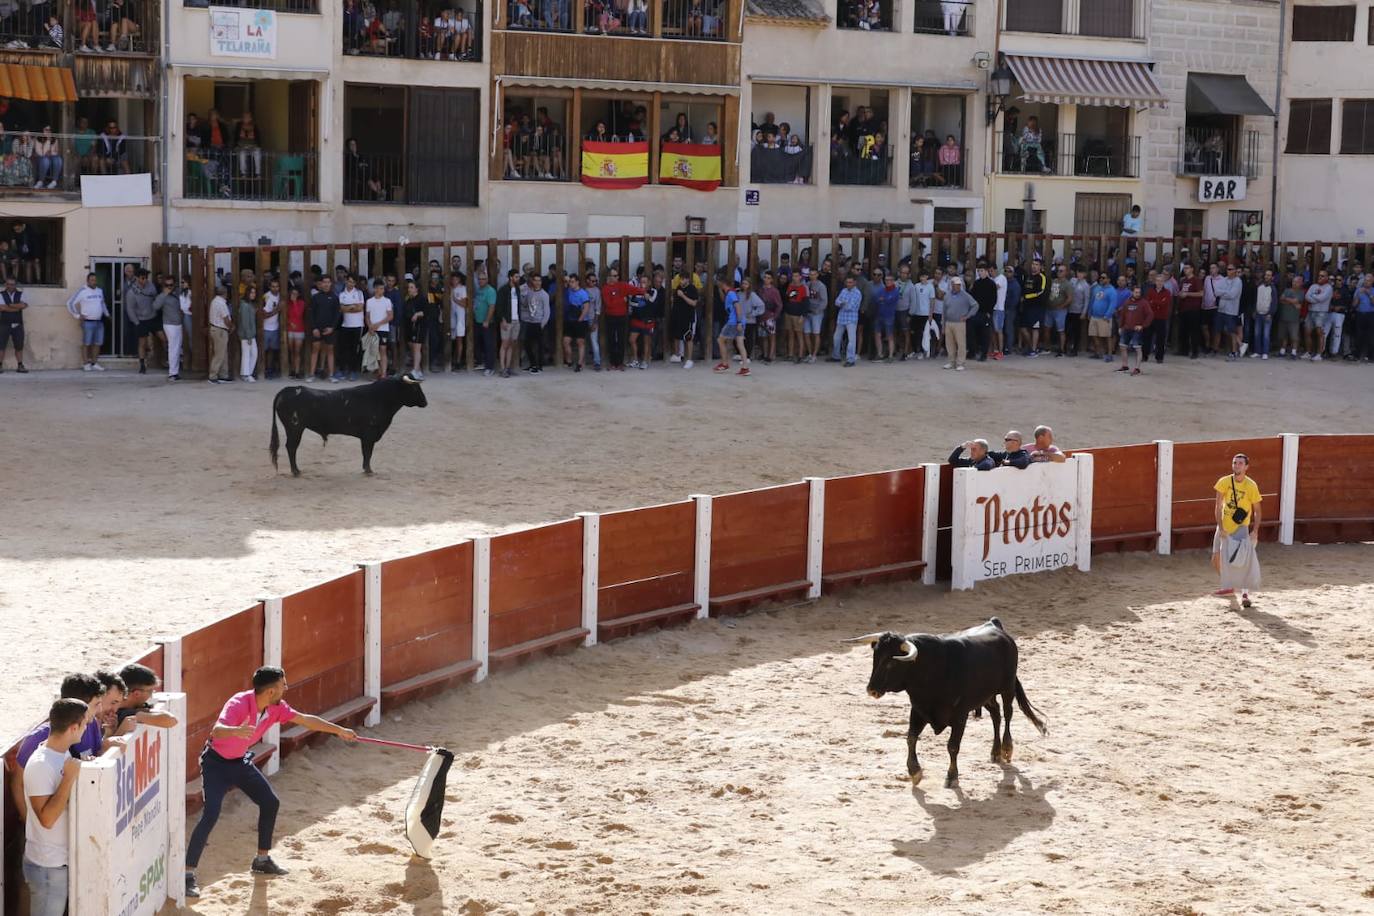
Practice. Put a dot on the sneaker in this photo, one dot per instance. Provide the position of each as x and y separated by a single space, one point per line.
634 364
1283 351
52 184
37 185
722 367
958 368
1224 592
1254 356
97 367
687 364
1135 372
1245 600
1317 358
1262 355
1307 356
849 364
642 366
22 370
417 375
1033 354
250 378
1122 369
85 367
996 354
352 376
263 865
192 888
1107 357
949 365
577 368
334 379
743 370
675 358
1244 348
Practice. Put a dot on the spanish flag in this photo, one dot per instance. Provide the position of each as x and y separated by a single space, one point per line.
692 165
614 165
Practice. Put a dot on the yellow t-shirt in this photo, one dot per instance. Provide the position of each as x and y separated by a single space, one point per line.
1247 494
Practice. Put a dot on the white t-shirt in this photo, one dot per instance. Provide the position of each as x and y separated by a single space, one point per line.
351 297
376 311
442 24
463 26
1130 225
1001 281
458 313
271 316
219 313
45 846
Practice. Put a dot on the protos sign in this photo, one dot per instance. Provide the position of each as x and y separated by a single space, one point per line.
1007 522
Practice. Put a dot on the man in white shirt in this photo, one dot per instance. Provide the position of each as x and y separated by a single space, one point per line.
458 319
379 317
445 36
462 36
49 778
347 350
271 329
999 312
87 305
221 323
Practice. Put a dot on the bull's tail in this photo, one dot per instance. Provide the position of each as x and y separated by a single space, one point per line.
1030 711
275 442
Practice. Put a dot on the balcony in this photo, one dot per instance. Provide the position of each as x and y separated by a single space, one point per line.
279 6
1093 18
942 17
1217 151
774 165
22 168
698 20
865 15
928 171
415 30
251 174
1082 156
123 27
852 169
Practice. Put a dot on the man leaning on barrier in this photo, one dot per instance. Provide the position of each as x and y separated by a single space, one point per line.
978 456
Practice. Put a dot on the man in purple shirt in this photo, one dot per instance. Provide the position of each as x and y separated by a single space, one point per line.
227 762
88 689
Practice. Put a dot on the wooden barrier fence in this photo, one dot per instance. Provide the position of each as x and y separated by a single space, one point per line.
408 627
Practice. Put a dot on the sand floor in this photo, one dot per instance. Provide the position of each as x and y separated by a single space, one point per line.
1199 760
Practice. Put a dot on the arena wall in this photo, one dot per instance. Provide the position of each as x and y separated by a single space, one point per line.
393 631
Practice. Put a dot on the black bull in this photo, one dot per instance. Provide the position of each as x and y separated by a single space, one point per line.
947 677
363 411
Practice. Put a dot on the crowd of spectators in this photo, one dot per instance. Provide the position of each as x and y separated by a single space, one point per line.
681 18
40 161
223 150
449 35
91 718
936 164
535 146
859 151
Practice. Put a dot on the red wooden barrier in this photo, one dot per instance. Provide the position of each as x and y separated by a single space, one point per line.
1198 465
426 623
153 659
1335 493
217 661
874 525
646 569
758 546
536 591
322 652
1124 497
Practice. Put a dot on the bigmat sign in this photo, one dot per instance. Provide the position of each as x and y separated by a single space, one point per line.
129 824
1008 522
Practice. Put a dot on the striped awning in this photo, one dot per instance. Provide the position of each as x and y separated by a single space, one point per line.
1079 81
37 84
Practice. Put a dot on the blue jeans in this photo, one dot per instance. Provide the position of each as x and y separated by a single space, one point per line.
840 329
92 332
1262 325
47 889
49 168
218 777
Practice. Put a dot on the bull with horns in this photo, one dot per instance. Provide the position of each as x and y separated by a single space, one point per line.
946 678
363 411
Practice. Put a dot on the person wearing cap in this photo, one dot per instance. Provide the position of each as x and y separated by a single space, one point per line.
959 308
1014 455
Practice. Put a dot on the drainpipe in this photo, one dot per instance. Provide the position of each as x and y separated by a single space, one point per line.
1278 108
166 140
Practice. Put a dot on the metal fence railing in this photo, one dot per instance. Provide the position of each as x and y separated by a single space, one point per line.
944 17
119 26
36 162
690 19
248 173
939 167
413 30
1216 151
280 6
775 165
1068 154
861 170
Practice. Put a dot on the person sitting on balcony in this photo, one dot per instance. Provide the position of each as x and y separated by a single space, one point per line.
109 148
637 18
361 183
711 137
922 167
953 15
696 18
463 35
684 129
872 17
537 154
609 20
520 18
951 162
21 155
1033 142
88 26
446 34
395 24
710 23
599 134
672 136
83 144
248 147
123 20
53 34
48 154
378 39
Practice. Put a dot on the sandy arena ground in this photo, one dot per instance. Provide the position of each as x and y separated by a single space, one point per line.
136 508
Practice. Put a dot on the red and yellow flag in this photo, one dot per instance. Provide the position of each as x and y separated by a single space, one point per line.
692 165
614 165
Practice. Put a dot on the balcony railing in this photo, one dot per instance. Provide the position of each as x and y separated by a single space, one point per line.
129 27
1096 18
1216 151
927 171
943 17
1069 154
280 6
684 19
250 174
864 16
539 158
411 32
774 165
23 169
694 19
860 170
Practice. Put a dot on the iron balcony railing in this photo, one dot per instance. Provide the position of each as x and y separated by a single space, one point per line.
31 167
944 17
1068 154
853 169
1217 151
280 6
775 165
249 173
928 171
414 30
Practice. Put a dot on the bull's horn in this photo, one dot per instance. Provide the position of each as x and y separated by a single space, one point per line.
910 649
408 379
870 639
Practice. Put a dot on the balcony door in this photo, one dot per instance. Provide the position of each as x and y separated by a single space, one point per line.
442 129
1099 214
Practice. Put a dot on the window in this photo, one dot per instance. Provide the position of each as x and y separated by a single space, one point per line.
1357 127
1035 16
1188 223
1238 219
410 145
950 219
1324 23
1015 222
537 129
253 139
43 240
1107 18
865 15
937 141
780 113
1309 127
417 29
1099 214
860 150
943 17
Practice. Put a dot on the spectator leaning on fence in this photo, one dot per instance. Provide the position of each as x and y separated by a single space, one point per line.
1044 448
1015 455
49 779
137 708
978 456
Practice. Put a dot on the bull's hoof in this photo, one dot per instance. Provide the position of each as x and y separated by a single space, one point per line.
916 776
997 755
295 473
367 472
951 780
1006 753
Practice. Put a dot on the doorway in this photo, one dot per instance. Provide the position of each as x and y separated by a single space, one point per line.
121 337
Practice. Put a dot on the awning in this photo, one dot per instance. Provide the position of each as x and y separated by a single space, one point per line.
1224 94
1080 81
37 84
248 71
560 82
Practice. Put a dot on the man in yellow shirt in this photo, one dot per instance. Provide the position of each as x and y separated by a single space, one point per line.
1238 524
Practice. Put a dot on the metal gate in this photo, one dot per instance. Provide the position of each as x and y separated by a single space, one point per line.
1099 214
121 337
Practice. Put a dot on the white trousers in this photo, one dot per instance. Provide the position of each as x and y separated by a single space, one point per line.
173 332
248 350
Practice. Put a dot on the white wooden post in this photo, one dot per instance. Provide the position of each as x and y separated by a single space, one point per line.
91 817
171 663
1288 488
1084 521
372 640
481 604
591 572
271 655
702 580
815 536
930 521
176 794
1164 496
961 576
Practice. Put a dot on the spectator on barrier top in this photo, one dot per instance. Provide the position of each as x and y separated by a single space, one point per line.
978 456
226 763
1015 455
92 743
49 778
113 694
140 683
1044 448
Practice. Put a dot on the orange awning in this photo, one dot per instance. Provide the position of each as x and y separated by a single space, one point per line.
37 84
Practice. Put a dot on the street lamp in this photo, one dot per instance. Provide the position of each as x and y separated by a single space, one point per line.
999 89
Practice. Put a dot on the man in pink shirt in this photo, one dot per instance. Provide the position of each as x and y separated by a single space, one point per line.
227 762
